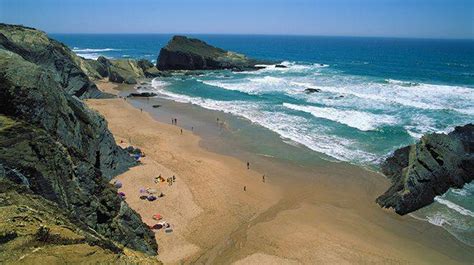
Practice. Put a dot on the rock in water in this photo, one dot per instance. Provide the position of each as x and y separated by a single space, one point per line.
312 90
422 171
183 53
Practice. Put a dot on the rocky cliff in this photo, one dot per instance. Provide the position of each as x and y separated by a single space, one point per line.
65 66
57 147
428 168
35 229
122 71
183 53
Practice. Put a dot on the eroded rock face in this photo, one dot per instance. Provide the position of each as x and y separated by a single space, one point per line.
47 225
124 71
428 168
64 150
35 46
183 53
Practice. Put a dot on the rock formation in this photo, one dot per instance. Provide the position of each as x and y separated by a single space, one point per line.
123 71
183 53
55 147
34 46
428 168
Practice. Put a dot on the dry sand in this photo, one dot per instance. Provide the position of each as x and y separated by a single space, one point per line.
215 221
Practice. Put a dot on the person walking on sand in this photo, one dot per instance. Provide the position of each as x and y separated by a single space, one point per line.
263 178
181 131
245 188
248 165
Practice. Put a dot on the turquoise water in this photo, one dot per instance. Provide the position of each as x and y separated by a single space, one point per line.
376 94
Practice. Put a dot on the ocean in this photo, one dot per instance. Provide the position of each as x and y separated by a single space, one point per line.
376 95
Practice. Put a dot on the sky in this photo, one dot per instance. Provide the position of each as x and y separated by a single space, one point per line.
387 18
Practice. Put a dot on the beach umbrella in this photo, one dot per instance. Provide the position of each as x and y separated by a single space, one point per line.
157 216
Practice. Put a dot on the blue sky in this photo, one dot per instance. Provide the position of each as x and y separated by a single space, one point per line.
393 18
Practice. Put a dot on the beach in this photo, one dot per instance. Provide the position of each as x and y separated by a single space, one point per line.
324 214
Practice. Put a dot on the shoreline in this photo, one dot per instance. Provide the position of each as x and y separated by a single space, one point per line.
326 216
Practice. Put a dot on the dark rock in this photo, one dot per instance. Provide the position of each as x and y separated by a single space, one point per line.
280 66
312 90
142 95
65 66
183 53
63 149
124 71
428 168
156 106
99 66
46 224
134 151
144 64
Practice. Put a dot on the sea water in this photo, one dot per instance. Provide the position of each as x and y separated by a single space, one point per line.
375 95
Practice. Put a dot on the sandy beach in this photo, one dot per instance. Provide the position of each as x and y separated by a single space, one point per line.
326 217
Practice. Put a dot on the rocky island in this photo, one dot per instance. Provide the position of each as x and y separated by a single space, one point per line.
183 53
422 171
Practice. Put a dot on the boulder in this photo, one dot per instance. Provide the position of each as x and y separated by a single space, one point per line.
142 95
144 64
281 66
183 53
124 71
424 170
312 90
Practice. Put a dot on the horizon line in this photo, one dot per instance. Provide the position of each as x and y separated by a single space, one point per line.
261 34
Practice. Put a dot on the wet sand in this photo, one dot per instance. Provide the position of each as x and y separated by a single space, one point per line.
318 215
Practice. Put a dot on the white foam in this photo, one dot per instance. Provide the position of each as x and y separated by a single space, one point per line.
88 50
467 190
294 128
363 121
254 85
438 220
92 56
421 96
402 83
454 206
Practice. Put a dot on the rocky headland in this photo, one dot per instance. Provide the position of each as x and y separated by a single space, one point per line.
57 155
424 170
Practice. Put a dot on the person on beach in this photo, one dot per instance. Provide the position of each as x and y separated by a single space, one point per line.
245 188
172 121
141 110
192 129
263 178
174 178
175 121
181 131
248 165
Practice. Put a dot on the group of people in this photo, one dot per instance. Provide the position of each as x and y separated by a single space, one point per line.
248 168
169 180
174 121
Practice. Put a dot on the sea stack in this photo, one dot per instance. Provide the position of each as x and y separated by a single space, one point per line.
422 171
183 53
